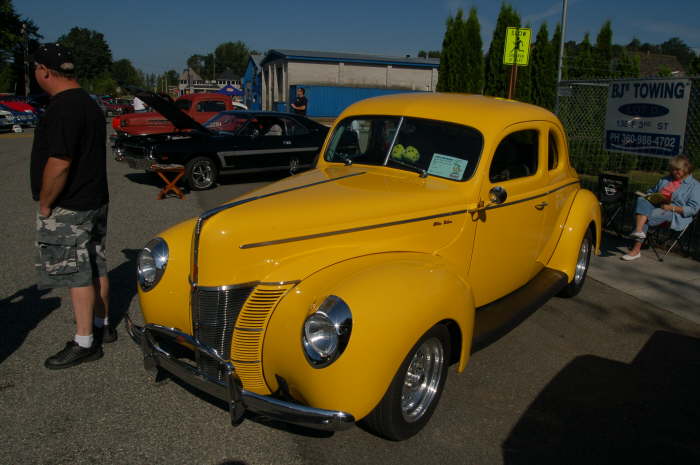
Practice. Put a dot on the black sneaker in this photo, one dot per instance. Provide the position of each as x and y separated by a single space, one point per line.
72 355
105 334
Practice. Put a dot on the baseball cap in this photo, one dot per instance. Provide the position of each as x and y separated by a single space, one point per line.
56 57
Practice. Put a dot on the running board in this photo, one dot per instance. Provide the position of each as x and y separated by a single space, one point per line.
495 320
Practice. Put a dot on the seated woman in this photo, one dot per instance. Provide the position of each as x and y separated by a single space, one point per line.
681 192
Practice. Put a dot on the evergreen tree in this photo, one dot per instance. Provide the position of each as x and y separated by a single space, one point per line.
556 44
694 68
445 57
474 54
497 74
458 66
602 54
583 66
544 72
523 86
91 53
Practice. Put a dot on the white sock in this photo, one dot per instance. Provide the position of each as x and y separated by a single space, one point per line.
83 341
101 322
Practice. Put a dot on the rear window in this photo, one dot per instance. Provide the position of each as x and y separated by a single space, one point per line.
211 106
429 147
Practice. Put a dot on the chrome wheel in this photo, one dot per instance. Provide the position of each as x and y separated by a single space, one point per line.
202 174
422 379
583 260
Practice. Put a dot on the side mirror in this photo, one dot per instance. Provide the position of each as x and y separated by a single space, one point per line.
498 195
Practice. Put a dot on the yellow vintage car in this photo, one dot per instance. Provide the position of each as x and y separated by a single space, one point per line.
431 225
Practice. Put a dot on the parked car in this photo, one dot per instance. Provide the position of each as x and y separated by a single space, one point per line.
7 120
232 141
25 119
17 104
431 225
199 107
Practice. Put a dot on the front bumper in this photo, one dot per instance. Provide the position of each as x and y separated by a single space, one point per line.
230 390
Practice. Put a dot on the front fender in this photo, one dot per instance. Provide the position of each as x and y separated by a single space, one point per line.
585 211
394 298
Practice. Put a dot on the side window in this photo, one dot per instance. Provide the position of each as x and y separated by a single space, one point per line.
271 127
515 157
294 128
553 158
211 106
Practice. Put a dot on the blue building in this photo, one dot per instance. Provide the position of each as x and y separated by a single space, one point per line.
252 85
333 81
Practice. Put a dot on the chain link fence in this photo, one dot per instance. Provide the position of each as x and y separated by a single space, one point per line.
582 108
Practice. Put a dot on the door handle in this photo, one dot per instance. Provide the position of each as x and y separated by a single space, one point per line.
540 206
287 142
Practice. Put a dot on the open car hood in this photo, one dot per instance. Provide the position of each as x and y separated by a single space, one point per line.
179 118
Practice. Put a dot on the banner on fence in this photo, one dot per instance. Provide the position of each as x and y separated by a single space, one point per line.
647 117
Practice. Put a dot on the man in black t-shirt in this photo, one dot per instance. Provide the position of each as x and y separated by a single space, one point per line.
69 180
300 104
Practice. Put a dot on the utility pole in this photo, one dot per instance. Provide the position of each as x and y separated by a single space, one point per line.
561 52
25 58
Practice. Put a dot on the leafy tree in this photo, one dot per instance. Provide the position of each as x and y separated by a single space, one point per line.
232 55
196 62
665 71
602 53
544 71
91 53
626 65
429 54
12 43
497 74
104 84
694 68
124 73
679 49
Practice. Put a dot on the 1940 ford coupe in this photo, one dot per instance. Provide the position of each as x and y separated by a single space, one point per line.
430 226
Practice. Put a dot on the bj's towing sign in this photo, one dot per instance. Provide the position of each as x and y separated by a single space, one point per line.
647 117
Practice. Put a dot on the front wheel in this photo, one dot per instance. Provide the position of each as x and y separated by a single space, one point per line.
584 259
200 173
415 390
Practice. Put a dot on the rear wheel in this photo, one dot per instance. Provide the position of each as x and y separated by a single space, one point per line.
415 390
584 259
200 173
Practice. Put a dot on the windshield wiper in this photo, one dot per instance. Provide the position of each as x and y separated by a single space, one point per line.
423 173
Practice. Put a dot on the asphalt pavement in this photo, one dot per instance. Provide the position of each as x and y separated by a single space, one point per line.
606 377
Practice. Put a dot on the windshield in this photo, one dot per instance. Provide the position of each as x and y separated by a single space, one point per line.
226 122
436 148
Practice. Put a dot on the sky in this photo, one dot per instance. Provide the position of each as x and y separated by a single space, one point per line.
157 35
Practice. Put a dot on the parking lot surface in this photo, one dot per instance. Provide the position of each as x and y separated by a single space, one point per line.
602 378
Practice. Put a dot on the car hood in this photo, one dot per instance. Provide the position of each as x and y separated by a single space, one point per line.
179 118
306 222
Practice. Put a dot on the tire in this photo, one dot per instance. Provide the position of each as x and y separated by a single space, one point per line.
581 270
415 390
201 173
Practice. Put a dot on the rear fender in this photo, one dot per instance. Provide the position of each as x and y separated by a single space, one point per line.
394 299
584 214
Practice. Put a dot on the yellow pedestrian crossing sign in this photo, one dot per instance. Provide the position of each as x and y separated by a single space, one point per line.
517 49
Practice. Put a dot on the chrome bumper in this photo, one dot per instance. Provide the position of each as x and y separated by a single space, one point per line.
230 390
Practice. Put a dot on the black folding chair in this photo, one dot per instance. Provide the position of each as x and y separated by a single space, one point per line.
659 236
612 190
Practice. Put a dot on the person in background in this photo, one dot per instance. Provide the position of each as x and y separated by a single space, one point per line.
68 178
682 201
301 103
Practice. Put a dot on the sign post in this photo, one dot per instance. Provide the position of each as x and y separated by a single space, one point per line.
647 117
516 53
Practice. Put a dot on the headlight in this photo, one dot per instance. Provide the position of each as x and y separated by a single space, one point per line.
151 262
326 332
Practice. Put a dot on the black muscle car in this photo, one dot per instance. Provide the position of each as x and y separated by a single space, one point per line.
231 141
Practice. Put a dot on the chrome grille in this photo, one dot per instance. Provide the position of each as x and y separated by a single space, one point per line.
214 313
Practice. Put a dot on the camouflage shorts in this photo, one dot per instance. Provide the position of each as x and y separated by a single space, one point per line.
71 247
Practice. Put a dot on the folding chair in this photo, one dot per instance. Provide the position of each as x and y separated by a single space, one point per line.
612 190
658 236
177 171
